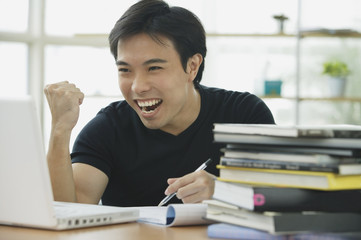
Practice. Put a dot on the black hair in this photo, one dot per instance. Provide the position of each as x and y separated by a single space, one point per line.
156 18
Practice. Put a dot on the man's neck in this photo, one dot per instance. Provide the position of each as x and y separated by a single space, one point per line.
193 108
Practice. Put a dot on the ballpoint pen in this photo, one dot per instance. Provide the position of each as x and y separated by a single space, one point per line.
169 197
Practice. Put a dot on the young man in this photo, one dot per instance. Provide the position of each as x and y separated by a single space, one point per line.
135 151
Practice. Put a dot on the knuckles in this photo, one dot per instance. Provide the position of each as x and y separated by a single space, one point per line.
63 89
203 185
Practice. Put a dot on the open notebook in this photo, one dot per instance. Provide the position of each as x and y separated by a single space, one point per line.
26 197
174 214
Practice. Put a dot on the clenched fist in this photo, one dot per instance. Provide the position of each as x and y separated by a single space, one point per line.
64 99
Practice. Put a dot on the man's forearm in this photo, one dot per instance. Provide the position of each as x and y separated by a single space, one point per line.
60 168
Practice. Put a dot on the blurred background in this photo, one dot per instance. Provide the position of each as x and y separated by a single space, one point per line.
276 49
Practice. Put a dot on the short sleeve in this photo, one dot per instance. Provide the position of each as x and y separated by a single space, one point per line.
93 145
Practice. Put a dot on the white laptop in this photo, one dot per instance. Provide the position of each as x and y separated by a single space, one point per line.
26 197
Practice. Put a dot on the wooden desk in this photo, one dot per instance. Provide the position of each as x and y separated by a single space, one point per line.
126 231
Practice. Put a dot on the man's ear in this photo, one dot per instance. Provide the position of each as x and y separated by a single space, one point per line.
193 65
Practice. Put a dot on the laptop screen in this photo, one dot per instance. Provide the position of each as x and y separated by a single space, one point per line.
25 189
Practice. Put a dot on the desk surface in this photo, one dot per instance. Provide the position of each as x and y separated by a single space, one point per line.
127 231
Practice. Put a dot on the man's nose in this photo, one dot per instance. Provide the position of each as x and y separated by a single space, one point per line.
141 84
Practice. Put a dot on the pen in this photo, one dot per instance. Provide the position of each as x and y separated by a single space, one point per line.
169 197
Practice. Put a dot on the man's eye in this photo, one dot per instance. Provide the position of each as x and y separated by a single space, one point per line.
123 70
154 68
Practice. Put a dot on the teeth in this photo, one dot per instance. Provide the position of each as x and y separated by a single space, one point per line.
145 111
148 103
148 106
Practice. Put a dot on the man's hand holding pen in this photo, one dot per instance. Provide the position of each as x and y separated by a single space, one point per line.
193 187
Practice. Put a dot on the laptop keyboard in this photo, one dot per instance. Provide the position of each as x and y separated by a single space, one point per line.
65 210
78 215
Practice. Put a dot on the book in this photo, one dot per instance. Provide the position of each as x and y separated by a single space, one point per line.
277 222
174 214
289 178
327 131
282 199
294 149
246 139
347 168
230 231
281 156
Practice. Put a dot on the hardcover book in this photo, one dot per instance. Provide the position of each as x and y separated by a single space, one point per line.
282 156
348 168
327 131
278 199
277 222
230 231
246 139
288 178
294 149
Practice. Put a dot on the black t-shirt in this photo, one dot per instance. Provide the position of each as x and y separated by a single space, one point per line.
138 161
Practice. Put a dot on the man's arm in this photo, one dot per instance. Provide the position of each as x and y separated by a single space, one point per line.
81 182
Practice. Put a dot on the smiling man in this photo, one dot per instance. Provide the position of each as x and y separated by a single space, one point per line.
134 152
155 85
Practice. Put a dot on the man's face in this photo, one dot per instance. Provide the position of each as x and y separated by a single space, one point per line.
154 83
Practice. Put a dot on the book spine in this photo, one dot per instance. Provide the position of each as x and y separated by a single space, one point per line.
315 133
283 199
229 231
289 178
287 149
347 134
265 164
339 143
295 199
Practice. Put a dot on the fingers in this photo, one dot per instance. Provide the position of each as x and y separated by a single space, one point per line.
171 180
63 89
176 183
64 99
192 188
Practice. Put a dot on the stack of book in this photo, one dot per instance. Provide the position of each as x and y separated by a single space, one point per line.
285 179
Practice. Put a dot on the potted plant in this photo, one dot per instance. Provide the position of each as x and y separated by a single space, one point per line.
337 72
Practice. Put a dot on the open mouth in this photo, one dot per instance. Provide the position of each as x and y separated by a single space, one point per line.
149 106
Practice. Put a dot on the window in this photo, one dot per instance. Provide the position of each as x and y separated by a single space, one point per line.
67 40
13 77
14 15
83 16
92 69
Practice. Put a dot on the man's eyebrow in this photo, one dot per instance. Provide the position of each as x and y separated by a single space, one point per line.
150 61
119 62
154 60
